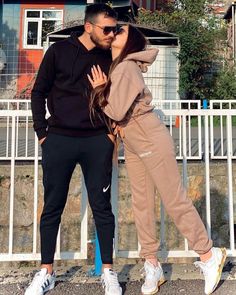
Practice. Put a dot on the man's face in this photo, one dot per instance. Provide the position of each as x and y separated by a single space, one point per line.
98 35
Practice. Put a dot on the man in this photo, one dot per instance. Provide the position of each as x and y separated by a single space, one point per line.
69 137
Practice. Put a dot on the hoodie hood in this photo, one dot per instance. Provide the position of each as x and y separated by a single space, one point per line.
74 38
143 58
81 49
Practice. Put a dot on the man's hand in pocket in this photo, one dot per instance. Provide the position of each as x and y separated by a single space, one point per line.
42 140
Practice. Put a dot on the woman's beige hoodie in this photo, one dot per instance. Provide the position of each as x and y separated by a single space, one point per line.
129 96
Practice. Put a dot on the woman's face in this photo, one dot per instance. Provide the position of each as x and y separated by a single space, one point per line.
120 39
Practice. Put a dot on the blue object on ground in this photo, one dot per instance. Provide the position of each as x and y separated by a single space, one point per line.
97 270
98 260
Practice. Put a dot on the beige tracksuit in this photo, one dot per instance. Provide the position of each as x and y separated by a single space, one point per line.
150 158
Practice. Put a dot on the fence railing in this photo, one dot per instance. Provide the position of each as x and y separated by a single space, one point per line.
14 137
217 135
193 127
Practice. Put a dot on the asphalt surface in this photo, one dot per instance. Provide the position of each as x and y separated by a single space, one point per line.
183 287
183 279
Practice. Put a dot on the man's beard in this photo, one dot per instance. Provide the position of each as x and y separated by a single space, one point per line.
98 43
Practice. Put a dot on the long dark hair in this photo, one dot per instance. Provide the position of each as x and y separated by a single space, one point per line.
135 42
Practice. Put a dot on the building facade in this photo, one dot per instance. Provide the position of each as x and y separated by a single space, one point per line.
23 30
230 18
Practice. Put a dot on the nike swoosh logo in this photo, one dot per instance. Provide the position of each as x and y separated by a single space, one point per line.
106 188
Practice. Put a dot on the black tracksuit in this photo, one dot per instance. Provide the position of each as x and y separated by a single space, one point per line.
72 138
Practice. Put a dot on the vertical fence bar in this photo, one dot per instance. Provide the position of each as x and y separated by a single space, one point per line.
221 136
58 245
17 130
12 181
207 169
36 148
185 180
84 221
207 175
139 248
189 137
26 134
180 137
114 203
212 146
230 182
185 173
199 119
221 132
8 128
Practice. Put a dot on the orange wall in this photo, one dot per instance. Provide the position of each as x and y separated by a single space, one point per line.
29 59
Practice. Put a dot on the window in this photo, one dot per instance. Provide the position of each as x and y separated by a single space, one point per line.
38 23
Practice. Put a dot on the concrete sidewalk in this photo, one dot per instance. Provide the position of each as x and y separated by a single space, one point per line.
182 279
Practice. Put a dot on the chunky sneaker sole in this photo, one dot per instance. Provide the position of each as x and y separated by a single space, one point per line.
160 282
221 265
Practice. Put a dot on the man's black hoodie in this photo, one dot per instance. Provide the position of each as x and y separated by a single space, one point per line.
62 79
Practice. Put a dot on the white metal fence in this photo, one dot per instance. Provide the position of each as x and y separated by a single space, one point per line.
18 142
24 149
218 135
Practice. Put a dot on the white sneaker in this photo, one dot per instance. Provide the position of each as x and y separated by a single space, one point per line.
154 277
212 269
110 282
42 282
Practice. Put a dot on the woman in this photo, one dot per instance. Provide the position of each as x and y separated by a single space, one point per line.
150 158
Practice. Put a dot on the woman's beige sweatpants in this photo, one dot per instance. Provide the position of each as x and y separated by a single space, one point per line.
151 163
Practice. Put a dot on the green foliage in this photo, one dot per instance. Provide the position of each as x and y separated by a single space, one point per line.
225 83
200 35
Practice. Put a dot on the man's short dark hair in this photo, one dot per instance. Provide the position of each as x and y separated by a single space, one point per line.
93 10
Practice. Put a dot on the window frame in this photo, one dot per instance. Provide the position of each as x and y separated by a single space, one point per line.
38 20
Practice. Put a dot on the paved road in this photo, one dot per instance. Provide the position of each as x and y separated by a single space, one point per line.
185 287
